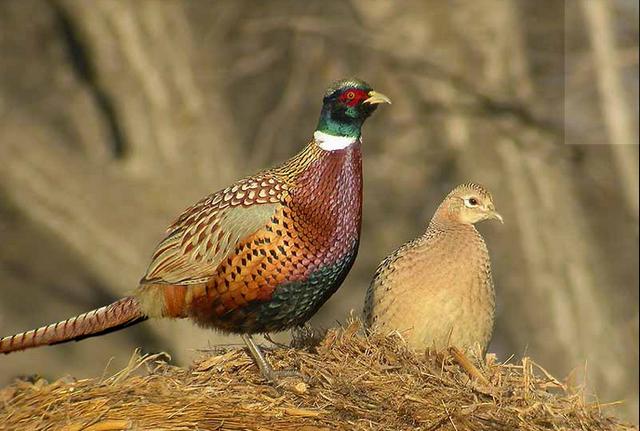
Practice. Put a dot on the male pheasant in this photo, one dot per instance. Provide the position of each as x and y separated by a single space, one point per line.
437 290
259 256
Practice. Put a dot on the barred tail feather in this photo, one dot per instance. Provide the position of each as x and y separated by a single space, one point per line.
120 314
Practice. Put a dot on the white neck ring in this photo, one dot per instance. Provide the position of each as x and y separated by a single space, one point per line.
331 142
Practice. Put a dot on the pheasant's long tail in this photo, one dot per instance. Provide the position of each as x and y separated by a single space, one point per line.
122 313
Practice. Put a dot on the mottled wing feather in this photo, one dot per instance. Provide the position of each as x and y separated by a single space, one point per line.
206 233
382 277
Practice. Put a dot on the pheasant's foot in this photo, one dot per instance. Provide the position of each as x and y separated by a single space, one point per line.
467 365
276 376
273 376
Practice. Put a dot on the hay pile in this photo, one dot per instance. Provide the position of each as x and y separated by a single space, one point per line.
354 382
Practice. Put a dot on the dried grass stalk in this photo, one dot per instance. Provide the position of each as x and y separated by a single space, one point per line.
355 382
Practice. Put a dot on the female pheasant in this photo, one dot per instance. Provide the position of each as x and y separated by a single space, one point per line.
437 289
259 256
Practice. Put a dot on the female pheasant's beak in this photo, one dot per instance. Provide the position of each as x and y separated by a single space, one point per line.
492 214
376 98
496 216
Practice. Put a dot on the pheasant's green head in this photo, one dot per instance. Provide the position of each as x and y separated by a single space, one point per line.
346 104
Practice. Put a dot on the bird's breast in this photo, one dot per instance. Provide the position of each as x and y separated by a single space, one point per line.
326 202
440 292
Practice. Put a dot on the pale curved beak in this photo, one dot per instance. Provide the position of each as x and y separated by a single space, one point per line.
493 214
376 98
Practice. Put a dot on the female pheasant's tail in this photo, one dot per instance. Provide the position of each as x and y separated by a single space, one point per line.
122 313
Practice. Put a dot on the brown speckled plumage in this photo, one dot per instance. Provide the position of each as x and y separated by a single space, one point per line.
437 290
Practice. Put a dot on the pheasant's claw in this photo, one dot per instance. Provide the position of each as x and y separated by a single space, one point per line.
276 376
273 376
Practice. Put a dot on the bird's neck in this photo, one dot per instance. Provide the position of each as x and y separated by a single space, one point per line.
344 126
338 171
461 236
329 142
446 224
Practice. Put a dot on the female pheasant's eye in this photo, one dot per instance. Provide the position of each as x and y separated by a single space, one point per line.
471 202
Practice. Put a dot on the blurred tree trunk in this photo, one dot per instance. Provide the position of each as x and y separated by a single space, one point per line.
614 104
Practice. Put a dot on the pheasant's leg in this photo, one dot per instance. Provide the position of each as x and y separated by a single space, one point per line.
267 372
468 366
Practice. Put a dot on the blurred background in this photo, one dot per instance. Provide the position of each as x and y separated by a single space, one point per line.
116 115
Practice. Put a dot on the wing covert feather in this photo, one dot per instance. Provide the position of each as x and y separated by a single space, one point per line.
207 232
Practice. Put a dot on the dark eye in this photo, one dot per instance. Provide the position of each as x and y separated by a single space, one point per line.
471 202
350 95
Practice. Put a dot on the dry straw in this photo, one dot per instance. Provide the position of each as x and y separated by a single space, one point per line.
355 382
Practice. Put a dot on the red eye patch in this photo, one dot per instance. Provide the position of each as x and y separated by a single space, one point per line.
353 97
